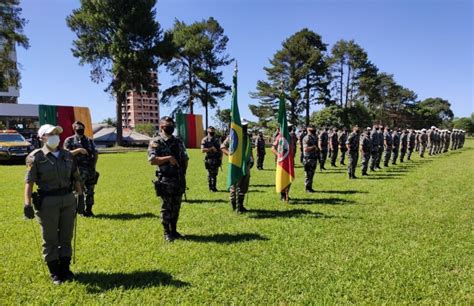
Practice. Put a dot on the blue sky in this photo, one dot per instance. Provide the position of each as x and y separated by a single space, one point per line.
427 45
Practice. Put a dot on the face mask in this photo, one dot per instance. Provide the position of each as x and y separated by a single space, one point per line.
212 134
312 132
80 132
244 129
168 130
53 141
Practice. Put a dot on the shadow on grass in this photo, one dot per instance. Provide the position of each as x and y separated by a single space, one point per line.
341 191
103 281
201 201
324 201
256 190
262 185
266 169
291 213
226 238
125 216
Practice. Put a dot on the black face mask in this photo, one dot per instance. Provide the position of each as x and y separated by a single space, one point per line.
312 132
212 134
80 132
168 130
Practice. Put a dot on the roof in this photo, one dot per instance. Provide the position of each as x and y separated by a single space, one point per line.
109 134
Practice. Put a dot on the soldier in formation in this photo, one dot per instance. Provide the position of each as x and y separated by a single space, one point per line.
352 145
342 145
310 160
260 145
365 150
211 146
333 146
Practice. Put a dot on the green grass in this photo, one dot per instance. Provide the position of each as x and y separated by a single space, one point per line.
403 235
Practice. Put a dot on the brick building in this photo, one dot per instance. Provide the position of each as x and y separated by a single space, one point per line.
142 107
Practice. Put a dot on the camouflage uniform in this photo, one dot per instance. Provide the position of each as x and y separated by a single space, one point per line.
431 141
353 142
395 146
403 145
411 139
170 183
302 135
380 149
388 141
374 150
334 144
238 190
260 145
366 148
323 146
213 160
423 142
417 141
342 145
86 167
310 160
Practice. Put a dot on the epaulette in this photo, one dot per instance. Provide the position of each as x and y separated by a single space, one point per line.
34 152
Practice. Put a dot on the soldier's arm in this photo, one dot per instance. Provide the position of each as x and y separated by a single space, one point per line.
69 147
30 178
224 146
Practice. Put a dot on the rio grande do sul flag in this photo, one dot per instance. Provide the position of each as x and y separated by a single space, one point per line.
285 170
236 144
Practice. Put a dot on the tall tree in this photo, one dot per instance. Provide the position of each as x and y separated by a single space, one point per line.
433 111
222 117
196 67
348 63
11 34
121 40
265 112
300 70
211 86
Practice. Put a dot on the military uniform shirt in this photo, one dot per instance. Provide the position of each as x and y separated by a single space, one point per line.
353 141
209 142
76 142
309 141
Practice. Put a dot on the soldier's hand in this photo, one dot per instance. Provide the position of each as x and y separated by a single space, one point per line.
173 161
80 204
83 151
28 211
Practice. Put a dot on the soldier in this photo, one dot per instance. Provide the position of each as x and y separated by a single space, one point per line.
395 145
417 140
238 191
352 145
300 139
260 145
169 154
388 142
333 146
293 137
447 138
365 150
284 193
374 150
323 146
403 144
411 139
453 139
463 138
310 161
86 155
431 140
423 142
55 172
211 145
342 145
381 142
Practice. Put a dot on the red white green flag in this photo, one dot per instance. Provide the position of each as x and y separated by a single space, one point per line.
285 170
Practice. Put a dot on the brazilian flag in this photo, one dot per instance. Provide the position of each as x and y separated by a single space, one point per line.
236 146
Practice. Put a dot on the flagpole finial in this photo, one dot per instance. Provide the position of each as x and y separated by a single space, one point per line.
236 68
281 85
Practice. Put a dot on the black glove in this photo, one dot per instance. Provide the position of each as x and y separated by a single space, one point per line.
81 206
28 212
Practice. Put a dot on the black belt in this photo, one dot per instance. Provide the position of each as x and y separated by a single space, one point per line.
54 192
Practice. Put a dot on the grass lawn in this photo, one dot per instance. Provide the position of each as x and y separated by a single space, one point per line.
402 235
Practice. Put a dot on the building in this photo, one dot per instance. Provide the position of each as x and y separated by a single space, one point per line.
9 94
142 107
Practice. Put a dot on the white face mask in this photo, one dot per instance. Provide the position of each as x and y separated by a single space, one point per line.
53 141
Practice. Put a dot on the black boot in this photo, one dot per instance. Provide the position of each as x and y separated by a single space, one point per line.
65 272
240 208
54 271
88 212
168 236
174 232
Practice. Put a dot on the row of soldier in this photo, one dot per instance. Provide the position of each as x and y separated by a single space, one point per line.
66 176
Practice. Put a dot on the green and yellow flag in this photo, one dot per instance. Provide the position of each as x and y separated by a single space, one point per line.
236 146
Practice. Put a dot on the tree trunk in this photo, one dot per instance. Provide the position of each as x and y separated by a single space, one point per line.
119 102
348 103
206 104
191 87
307 101
341 81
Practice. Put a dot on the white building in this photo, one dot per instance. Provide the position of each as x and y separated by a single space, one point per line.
9 94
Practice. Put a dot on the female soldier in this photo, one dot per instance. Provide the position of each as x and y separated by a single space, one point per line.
55 173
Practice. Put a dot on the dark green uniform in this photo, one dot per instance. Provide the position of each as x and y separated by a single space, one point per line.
86 165
323 147
374 150
213 160
388 141
342 139
334 147
310 159
411 143
260 145
423 143
366 149
170 183
353 142
55 207
395 147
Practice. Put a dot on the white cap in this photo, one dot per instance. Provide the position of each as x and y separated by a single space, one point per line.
433 127
423 130
368 128
244 121
48 129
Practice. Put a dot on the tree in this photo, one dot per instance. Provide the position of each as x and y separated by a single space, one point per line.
200 54
222 118
348 63
299 70
328 116
121 40
465 123
265 112
211 86
11 34
433 111
145 128
110 121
